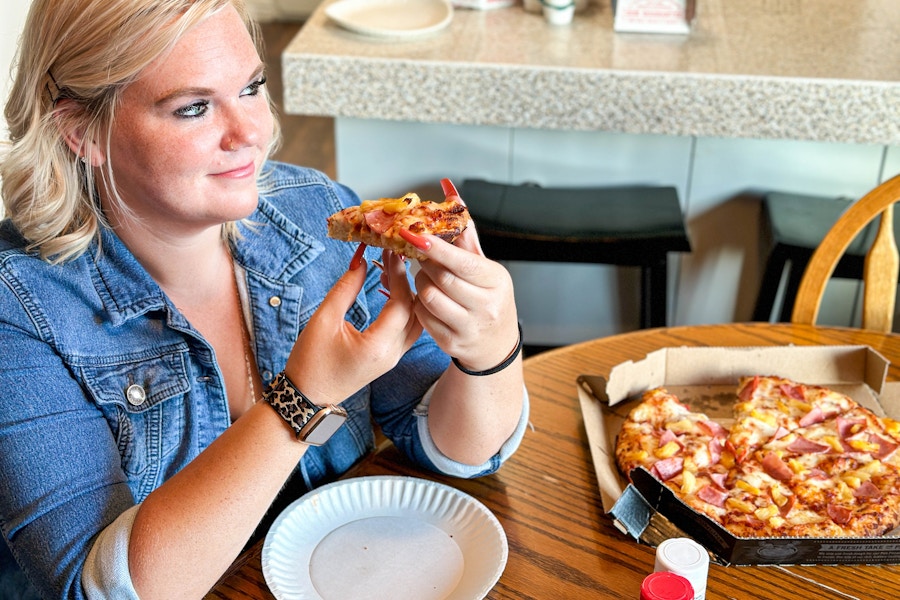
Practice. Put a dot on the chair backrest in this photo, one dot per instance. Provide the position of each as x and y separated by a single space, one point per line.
881 264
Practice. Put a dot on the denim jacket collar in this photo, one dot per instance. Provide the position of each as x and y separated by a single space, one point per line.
276 257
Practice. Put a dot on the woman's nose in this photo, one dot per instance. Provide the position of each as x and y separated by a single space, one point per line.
242 128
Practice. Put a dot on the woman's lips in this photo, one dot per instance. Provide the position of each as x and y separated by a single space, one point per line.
239 173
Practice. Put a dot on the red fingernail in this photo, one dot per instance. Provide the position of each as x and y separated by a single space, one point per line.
449 188
416 240
357 257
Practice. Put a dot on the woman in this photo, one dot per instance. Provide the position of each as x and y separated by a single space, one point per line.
166 294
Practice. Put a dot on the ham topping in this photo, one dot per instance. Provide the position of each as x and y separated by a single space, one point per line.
785 508
847 427
776 468
793 391
747 390
804 446
812 417
715 450
668 468
378 221
867 490
667 436
712 496
838 514
885 447
719 479
712 428
816 474
780 433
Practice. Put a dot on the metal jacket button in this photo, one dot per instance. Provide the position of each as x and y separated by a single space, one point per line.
135 395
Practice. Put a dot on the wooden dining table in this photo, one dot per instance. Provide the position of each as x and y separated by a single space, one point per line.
561 543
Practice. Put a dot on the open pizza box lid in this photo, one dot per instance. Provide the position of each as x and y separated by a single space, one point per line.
706 380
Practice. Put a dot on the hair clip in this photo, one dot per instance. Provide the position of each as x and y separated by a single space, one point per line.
61 92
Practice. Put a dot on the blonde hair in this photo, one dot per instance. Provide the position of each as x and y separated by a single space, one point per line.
86 51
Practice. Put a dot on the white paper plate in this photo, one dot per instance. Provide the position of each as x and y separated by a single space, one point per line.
391 18
384 537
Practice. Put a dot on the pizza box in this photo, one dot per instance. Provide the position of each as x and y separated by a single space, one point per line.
706 379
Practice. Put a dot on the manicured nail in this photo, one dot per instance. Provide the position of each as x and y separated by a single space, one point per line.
356 261
416 240
378 264
449 188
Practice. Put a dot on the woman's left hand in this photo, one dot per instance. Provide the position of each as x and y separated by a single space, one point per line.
464 300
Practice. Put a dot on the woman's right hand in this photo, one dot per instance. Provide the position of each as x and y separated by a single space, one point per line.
332 359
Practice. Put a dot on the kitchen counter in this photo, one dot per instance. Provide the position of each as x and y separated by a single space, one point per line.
763 69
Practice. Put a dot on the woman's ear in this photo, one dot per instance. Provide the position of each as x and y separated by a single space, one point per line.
68 116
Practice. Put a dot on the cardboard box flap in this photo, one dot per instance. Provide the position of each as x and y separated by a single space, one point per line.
890 399
599 423
825 365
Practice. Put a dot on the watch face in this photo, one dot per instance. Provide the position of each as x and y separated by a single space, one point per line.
322 426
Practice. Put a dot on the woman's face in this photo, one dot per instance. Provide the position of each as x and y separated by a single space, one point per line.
190 135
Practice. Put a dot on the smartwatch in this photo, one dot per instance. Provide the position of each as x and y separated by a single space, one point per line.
312 423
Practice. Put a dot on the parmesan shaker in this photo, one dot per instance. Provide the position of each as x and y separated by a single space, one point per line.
687 558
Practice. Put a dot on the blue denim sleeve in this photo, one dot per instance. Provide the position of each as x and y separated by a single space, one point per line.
61 481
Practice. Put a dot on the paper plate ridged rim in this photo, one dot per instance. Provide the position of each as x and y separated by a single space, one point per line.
297 531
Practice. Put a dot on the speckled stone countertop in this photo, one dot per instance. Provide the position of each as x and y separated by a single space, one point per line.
827 70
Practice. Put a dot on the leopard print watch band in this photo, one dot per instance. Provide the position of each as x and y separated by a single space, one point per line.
312 424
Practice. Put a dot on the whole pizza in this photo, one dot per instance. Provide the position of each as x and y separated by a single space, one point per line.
799 460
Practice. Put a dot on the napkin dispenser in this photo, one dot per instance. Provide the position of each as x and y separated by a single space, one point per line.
653 16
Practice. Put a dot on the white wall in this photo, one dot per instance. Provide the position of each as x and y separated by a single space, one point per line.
281 10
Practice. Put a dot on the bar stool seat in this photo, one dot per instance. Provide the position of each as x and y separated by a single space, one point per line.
633 226
797 224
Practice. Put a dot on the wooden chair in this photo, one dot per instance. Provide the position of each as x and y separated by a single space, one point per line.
881 263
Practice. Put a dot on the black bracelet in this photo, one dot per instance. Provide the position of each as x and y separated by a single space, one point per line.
509 360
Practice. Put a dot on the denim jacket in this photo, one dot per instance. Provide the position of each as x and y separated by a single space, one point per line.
106 390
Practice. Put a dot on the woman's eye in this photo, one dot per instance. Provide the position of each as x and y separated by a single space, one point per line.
197 109
253 88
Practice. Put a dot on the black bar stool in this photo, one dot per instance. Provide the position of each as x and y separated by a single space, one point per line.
627 226
797 224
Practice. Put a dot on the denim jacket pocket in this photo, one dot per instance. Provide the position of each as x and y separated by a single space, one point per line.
143 401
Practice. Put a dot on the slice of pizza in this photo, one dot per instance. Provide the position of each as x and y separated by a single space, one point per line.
379 222
760 504
682 448
842 473
770 407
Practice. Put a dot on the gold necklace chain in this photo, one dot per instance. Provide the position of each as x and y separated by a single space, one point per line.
245 341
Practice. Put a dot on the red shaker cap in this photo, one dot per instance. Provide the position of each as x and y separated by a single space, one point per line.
663 585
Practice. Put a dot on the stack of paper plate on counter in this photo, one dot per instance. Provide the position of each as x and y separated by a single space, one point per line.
391 18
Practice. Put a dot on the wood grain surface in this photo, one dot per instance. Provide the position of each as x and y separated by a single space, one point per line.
561 544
